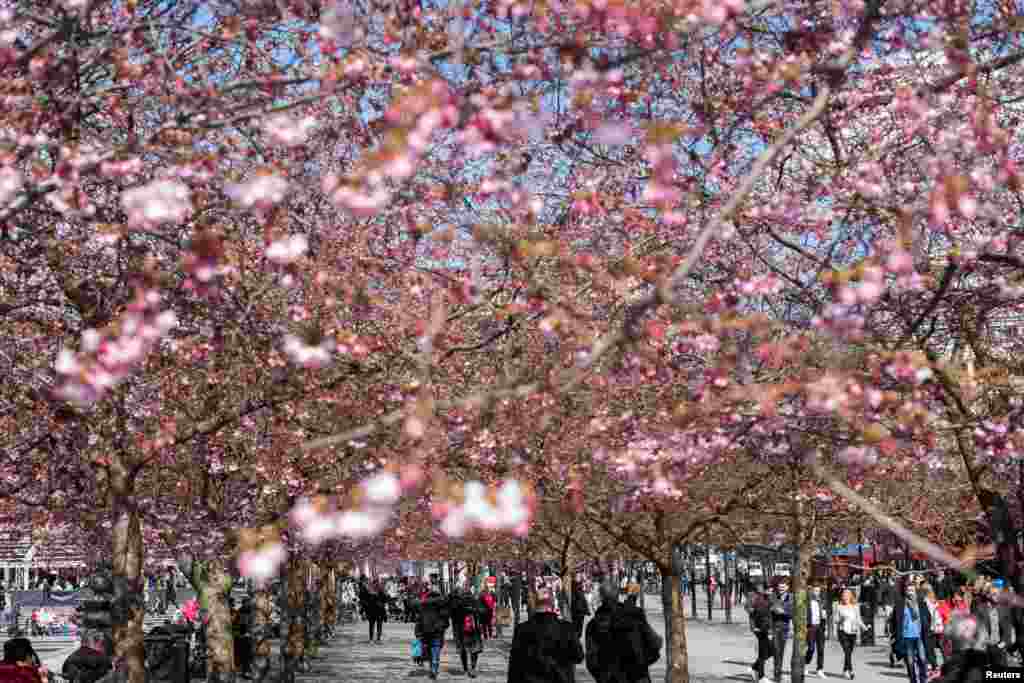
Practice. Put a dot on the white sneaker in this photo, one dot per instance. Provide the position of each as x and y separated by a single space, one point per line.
822 674
765 680
753 675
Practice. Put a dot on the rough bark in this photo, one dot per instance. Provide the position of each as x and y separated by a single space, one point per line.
127 576
329 616
212 582
677 668
803 536
261 632
313 608
293 647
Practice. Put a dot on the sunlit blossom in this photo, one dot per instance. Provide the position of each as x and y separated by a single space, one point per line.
288 131
162 201
287 250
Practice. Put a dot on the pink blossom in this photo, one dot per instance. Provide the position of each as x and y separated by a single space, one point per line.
306 355
362 523
263 564
162 201
10 184
288 131
382 489
287 250
614 133
262 190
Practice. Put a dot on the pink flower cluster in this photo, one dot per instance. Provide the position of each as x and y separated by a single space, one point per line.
510 509
105 360
312 356
419 114
10 184
161 201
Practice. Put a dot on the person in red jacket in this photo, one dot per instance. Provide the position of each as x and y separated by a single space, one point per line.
21 663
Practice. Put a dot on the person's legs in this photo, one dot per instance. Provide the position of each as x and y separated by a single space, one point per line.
928 642
847 640
915 662
463 656
820 646
380 628
435 655
812 640
781 635
369 623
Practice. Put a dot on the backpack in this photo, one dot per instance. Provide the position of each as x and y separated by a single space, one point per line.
468 624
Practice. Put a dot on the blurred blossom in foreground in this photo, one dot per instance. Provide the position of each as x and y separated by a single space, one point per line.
263 563
162 201
288 131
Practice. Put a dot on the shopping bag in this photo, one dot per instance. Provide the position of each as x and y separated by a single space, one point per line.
504 616
417 649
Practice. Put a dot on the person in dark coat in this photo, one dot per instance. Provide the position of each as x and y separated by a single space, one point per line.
545 649
580 608
761 625
376 609
467 629
90 662
621 645
172 591
516 595
433 622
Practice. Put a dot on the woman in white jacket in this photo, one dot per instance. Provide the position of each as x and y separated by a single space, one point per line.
848 625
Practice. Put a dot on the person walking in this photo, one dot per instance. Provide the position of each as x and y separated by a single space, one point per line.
848 625
545 649
466 629
90 661
760 609
782 618
430 628
907 626
488 607
171 596
816 627
620 643
516 595
932 636
580 607
376 609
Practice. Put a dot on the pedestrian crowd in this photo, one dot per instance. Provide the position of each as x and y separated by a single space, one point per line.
947 634
546 648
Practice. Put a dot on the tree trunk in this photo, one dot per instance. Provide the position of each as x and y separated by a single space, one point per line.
213 584
329 615
127 578
676 665
293 647
313 609
262 611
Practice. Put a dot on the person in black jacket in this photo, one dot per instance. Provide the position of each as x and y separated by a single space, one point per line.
467 629
515 592
761 625
376 608
433 622
88 663
545 649
580 608
621 645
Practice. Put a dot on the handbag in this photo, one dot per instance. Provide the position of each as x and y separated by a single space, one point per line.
504 616
417 649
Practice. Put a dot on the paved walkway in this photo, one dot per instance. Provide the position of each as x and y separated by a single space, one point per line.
718 652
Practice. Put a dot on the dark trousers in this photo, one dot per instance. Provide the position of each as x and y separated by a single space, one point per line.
917 666
929 641
816 641
764 649
468 658
378 621
780 635
243 654
577 622
848 641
